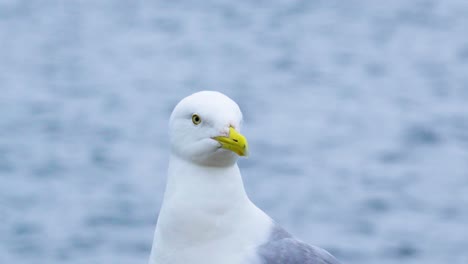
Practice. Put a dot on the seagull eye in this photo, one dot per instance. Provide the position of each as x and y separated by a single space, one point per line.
196 119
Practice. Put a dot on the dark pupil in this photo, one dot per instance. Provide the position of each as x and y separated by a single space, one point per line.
197 119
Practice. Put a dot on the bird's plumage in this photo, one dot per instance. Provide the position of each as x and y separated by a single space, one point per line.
283 248
206 216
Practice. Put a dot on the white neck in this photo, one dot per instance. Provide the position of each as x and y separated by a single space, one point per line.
202 208
206 187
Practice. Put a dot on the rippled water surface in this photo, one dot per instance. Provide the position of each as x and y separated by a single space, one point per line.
356 114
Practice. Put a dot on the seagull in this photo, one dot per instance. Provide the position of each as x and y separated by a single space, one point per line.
206 216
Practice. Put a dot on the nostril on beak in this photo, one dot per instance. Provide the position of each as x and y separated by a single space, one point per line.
235 140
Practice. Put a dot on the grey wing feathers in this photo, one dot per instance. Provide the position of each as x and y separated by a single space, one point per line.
282 248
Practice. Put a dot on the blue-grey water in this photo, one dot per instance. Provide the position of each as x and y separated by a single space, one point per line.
356 114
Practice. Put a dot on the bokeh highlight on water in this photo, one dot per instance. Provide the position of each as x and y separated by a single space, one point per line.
356 114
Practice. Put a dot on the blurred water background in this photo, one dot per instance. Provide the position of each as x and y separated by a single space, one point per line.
356 113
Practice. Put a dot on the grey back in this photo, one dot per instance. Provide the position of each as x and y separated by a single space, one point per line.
282 248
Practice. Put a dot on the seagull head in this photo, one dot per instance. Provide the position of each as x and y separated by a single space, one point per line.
205 128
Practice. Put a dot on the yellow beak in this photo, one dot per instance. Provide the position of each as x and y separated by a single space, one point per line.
235 142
